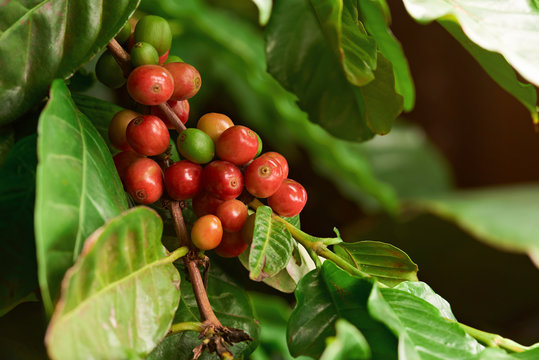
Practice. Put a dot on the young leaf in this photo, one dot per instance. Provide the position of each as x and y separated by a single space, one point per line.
77 188
17 248
387 263
271 248
509 27
423 332
325 295
348 344
51 39
119 299
504 217
231 306
424 291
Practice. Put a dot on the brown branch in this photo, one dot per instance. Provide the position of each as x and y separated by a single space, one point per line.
179 224
122 57
172 117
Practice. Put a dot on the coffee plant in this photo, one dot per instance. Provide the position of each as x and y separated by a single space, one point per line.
133 215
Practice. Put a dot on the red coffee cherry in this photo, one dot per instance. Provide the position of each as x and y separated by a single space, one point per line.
163 58
231 245
204 204
281 159
183 180
144 181
186 78
222 179
117 128
123 160
263 177
237 144
148 135
207 232
180 108
214 124
289 200
232 214
150 84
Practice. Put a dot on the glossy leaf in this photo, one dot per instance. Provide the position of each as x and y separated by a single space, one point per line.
373 15
231 306
17 249
348 344
510 28
264 10
44 40
271 248
424 291
387 263
119 299
499 354
77 188
503 217
325 295
423 332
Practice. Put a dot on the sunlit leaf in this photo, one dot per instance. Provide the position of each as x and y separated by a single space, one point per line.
348 344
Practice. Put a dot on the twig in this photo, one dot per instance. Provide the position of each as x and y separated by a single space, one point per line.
122 57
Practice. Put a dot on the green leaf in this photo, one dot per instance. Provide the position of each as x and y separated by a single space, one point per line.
230 304
271 248
77 188
499 354
7 140
424 291
423 332
17 249
372 14
503 217
510 28
325 295
348 344
387 263
264 10
119 299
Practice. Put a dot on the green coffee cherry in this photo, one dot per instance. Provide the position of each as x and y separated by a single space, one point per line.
259 145
109 72
195 145
173 58
144 54
156 31
124 34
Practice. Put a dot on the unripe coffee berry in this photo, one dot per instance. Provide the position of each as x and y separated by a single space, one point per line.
183 180
186 78
281 159
144 54
144 181
180 108
263 177
150 84
289 200
207 232
232 214
259 145
222 179
214 124
237 144
173 58
156 31
231 245
109 72
196 146
205 203
124 34
118 127
148 135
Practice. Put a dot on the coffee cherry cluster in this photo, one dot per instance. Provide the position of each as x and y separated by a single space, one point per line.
221 160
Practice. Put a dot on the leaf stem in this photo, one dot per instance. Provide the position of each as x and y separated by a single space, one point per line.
493 340
315 257
186 326
178 253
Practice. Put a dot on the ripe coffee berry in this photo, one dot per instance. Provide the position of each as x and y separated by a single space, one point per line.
196 146
289 200
143 181
148 135
150 84
156 31
222 179
232 214
207 232
263 177
214 124
186 78
183 180
144 54
118 127
237 144
205 203
281 159
180 108
123 160
231 245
